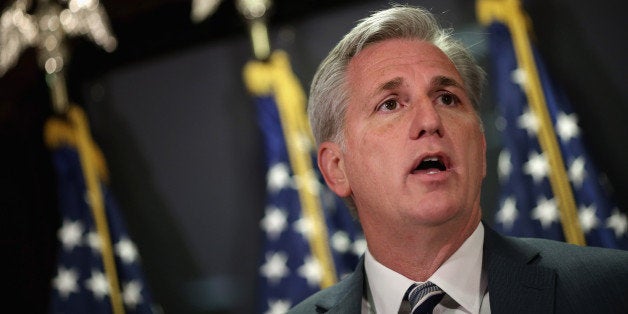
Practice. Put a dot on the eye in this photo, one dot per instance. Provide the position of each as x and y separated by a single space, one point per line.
449 99
388 105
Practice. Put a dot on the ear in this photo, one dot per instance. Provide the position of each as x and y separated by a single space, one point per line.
331 164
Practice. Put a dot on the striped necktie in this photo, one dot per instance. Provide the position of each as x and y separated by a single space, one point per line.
421 298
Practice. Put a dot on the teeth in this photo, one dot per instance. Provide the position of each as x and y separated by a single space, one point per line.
432 164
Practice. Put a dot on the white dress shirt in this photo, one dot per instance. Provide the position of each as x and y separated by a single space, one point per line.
460 276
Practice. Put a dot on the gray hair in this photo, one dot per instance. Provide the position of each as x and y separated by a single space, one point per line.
329 94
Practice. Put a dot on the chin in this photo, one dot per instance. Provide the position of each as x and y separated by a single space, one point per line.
435 211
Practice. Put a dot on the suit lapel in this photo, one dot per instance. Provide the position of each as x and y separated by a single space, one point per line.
515 283
347 296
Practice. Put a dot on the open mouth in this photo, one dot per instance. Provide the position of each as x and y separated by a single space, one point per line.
431 164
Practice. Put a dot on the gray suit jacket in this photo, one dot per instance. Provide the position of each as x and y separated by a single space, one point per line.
524 276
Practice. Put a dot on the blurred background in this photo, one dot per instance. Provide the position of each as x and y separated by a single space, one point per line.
170 112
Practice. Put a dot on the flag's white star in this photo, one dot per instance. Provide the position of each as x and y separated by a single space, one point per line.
311 271
536 166
577 172
519 77
340 241
546 212
66 282
70 234
126 250
278 177
304 226
93 240
274 269
278 307
504 165
274 222
587 217
359 246
529 122
618 222
98 284
567 126
131 293
508 213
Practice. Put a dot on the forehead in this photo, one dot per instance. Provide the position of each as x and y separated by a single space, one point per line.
393 55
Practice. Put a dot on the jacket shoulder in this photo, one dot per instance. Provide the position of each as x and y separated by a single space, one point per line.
559 254
576 279
585 274
554 254
343 297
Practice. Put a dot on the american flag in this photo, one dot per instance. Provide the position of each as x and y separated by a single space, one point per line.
80 284
527 205
289 270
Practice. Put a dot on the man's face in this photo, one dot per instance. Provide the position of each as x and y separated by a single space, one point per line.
414 149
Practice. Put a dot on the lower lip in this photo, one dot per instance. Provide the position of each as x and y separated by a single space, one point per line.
432 175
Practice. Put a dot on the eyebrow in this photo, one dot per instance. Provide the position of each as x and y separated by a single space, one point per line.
390 85
444 81
437 81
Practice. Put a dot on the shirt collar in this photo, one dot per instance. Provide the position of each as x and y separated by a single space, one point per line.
460 277
387 286
461 274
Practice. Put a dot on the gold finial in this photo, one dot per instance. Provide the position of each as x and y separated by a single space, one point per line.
47 29
255 11
18 31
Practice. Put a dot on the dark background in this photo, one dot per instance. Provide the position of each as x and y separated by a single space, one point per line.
171 114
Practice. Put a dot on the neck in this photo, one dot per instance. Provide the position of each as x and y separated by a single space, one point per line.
418 252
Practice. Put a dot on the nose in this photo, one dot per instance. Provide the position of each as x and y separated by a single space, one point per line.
426 121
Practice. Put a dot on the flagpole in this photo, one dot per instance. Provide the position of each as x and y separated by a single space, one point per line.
52 58
58 92
88 159
275 76
96 203
289 93
510 13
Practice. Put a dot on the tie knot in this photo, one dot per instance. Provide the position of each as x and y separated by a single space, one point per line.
423 297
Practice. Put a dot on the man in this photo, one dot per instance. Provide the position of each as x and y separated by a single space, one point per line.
394 112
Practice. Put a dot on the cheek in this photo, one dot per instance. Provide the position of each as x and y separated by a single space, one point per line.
369 142
472 147
477 154
371 159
